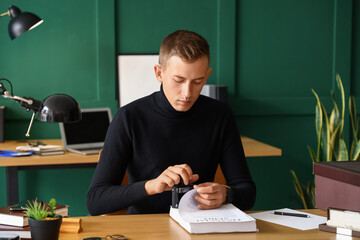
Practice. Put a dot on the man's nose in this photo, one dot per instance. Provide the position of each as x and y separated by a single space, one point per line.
186 89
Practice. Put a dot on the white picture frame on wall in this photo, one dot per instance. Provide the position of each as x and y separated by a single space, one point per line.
136 77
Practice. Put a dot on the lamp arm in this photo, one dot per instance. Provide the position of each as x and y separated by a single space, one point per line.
26 102
18 99
5 13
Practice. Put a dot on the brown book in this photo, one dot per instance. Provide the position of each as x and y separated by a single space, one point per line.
15 216
344 171
337 185
23 232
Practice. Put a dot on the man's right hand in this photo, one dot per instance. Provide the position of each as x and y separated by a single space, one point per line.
170 177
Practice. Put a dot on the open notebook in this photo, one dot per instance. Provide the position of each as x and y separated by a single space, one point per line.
88 135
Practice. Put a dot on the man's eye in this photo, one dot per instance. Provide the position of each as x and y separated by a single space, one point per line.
178 80
198 82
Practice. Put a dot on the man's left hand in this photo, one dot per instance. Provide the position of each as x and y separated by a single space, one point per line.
210 195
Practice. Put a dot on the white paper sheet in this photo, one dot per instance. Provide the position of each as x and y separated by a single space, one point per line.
294 222
226 213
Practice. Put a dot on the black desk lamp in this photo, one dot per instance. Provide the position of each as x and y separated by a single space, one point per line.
55 108
21 21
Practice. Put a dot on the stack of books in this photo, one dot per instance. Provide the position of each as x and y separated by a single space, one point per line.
337 185
13 219
343 222
43 150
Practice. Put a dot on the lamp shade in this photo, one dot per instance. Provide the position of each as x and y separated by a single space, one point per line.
21 22
59 108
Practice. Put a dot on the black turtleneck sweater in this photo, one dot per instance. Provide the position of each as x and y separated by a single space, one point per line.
149 135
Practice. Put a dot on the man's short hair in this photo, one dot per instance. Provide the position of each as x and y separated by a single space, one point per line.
187 45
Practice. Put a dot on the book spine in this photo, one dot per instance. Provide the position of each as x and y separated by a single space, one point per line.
11 220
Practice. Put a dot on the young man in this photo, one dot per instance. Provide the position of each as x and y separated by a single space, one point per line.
171 135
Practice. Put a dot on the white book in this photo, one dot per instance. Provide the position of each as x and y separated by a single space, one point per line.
224 219
12 217
343 219
7 231
13 234
40 148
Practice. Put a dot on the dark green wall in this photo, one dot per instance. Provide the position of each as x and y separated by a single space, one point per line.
72 52
269 53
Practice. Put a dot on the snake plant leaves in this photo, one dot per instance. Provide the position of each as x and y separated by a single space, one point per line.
321 124
343 153
325 136
341 88
335 144
335 119
336 131
331 145
299 188
312 154
353 119
356 151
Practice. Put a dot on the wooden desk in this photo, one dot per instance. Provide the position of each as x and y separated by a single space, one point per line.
161 226
252 148
14 164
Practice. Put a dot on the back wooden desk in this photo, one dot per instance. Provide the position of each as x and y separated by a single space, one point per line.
161 226
252 148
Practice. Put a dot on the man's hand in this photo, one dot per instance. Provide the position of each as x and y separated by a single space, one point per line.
210 195
170 177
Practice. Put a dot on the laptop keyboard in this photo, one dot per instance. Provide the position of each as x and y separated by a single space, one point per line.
85 151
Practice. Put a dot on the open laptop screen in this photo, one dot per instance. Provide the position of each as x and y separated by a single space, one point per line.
90 132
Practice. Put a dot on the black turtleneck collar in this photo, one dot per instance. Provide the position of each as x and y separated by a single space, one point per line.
165 106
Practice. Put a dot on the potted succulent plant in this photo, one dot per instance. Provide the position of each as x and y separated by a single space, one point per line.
44 223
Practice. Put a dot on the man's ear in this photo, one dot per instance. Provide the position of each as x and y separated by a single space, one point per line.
158 73
208 74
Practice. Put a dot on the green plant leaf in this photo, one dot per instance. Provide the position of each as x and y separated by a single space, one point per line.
36 210
341 88
356 151
318 120
325 136
312 154
320 124
52 207
334 119
353 119
352 148
343 153
298 188
335 142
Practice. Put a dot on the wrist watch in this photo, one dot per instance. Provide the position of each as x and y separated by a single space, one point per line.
229 194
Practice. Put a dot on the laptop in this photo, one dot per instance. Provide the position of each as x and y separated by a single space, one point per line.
88 135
